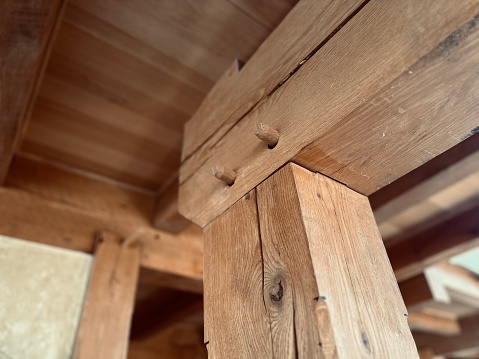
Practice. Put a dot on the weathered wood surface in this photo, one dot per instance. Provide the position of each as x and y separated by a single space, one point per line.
105 321
236 320
315 273
27 30
310 23
384 95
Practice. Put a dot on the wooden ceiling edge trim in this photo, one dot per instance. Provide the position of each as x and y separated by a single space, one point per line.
53 21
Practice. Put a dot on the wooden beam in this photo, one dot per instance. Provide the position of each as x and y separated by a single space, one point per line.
61 225
441 345
364 114
431 323
26 35
410 257
287 268
464 168
425 172
166 215
65 209
105 321
308 24
431 292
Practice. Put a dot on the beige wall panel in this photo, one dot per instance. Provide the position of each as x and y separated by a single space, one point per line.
41 296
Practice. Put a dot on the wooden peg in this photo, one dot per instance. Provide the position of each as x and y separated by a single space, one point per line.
226 175
267 134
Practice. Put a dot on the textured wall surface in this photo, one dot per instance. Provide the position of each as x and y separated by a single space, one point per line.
41 295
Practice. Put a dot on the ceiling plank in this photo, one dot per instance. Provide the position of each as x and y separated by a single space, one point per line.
28 29
384 95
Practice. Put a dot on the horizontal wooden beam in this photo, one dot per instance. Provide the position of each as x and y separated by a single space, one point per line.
410 257
430 292
308 24
53 206
440 345
26 34
425 172
381 97
464 168
431 323
37 219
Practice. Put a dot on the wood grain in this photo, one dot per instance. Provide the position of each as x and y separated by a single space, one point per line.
345 104
315 282
27 30
105 321
236 320
306 26
352 269
290 291
122 81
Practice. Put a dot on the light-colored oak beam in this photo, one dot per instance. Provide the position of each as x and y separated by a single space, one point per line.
373 103
297 268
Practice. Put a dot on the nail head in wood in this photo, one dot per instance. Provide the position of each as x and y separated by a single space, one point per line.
267 134
226 175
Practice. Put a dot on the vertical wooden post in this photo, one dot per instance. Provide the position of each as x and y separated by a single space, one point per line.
297 269
105 322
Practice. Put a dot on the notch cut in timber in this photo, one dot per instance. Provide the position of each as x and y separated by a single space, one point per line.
297 268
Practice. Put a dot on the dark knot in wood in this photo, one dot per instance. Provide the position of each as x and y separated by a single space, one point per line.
277 294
